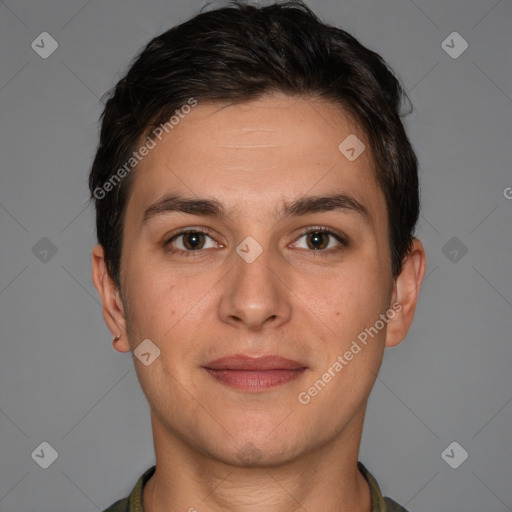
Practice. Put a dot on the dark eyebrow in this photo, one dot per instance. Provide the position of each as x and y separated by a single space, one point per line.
315 204
175 203
300 207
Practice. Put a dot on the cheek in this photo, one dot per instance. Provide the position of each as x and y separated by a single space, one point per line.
349 295
152 298
344 307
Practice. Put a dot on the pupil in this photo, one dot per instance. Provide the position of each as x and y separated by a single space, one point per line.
316 238
192 240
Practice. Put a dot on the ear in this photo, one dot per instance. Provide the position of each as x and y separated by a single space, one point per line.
113 311
405 294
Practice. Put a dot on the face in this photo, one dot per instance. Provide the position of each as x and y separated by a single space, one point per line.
266 271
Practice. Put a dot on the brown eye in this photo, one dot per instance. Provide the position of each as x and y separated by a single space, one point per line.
190 241
317 240
193 240
320 239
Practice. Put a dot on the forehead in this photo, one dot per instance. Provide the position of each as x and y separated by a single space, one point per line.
267 129
256 156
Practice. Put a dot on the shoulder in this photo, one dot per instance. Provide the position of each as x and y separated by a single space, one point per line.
393 506
133 502
380 503
118 506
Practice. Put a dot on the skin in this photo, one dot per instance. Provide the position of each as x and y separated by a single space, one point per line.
222 449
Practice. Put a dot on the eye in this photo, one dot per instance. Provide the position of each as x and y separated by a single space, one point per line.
320 239
190 240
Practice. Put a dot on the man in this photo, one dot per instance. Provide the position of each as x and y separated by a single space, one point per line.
256 198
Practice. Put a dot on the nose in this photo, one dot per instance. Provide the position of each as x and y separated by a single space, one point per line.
255 294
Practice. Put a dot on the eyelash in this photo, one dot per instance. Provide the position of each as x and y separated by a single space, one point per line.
319 229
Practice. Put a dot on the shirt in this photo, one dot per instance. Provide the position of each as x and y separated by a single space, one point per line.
133 503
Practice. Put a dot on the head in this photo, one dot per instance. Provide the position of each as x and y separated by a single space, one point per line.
240 114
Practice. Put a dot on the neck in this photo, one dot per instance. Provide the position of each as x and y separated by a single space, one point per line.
325 479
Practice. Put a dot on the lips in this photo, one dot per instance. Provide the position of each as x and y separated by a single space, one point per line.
251 374
247 363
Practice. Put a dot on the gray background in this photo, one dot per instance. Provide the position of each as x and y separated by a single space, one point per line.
61 381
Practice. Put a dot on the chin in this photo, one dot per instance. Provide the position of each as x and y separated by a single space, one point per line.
255 451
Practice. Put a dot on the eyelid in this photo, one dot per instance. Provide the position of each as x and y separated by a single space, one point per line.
341 238
189 229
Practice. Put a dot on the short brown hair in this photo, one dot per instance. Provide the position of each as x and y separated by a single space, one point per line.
241 52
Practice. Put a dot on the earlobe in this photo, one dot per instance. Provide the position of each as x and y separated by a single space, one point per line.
113 311
406 292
